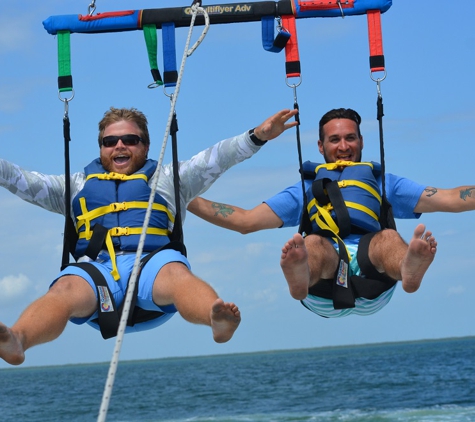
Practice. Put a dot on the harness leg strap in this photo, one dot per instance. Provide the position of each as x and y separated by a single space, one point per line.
374 283
108 318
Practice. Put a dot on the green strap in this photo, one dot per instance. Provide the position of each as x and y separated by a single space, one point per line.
150 34
65 80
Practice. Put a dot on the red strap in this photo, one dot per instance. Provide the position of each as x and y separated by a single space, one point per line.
105 15
376 56
306 6
292 60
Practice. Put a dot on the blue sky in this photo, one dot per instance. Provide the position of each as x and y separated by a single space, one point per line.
230 85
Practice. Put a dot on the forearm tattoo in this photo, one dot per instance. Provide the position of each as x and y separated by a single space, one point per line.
222 209
466 193
430 191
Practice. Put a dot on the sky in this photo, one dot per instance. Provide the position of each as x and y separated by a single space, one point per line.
231 84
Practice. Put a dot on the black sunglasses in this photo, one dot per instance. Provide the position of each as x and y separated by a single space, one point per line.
111 141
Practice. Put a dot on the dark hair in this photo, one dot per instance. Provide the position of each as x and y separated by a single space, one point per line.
128 114
339 113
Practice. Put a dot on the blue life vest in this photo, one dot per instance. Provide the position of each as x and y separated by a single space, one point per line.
359 190
118 203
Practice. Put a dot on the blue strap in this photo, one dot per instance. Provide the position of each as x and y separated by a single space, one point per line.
274 45
170 74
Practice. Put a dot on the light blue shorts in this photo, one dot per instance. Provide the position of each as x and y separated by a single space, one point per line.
125 264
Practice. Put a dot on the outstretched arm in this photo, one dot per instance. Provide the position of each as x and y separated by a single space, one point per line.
457 199
235 218
273 126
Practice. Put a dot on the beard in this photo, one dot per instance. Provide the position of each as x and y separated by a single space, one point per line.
135 162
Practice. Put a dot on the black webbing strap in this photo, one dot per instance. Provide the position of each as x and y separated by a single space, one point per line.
374 283
386 214
305 226
334 197
96 242
177 233
108 315
69 236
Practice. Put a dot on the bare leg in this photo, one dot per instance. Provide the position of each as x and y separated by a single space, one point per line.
408 263
419 256
45 319
196 301
305 261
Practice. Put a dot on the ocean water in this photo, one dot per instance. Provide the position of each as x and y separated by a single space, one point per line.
413 381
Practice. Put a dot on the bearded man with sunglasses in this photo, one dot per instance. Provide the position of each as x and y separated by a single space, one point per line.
114 191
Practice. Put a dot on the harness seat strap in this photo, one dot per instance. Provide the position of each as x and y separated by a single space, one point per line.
376 56
292 59
269 42
170 73
108 316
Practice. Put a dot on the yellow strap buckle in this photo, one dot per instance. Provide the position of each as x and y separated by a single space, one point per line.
120 231
118 206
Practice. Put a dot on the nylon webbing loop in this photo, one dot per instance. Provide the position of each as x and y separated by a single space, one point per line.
386 215
177 233
292 60
150 35
170 73
376 56
269 42
69 241
65 80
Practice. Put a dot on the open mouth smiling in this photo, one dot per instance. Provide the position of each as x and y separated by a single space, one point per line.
121 159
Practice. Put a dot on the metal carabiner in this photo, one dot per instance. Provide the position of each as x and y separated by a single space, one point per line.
378 82
66 102
341 9
167 94
91 8
293 85
153 85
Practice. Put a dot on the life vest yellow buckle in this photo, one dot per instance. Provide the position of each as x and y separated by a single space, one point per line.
120 231
119 206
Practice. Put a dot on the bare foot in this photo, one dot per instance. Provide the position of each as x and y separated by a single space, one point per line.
419 256
225 318
11 350
294 264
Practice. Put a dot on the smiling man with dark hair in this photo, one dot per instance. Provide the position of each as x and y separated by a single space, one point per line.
349 259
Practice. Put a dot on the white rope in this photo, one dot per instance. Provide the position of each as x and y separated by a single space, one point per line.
133 279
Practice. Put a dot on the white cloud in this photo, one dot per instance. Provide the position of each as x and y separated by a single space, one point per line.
255 249
261 296
14 287
14 34
456 290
